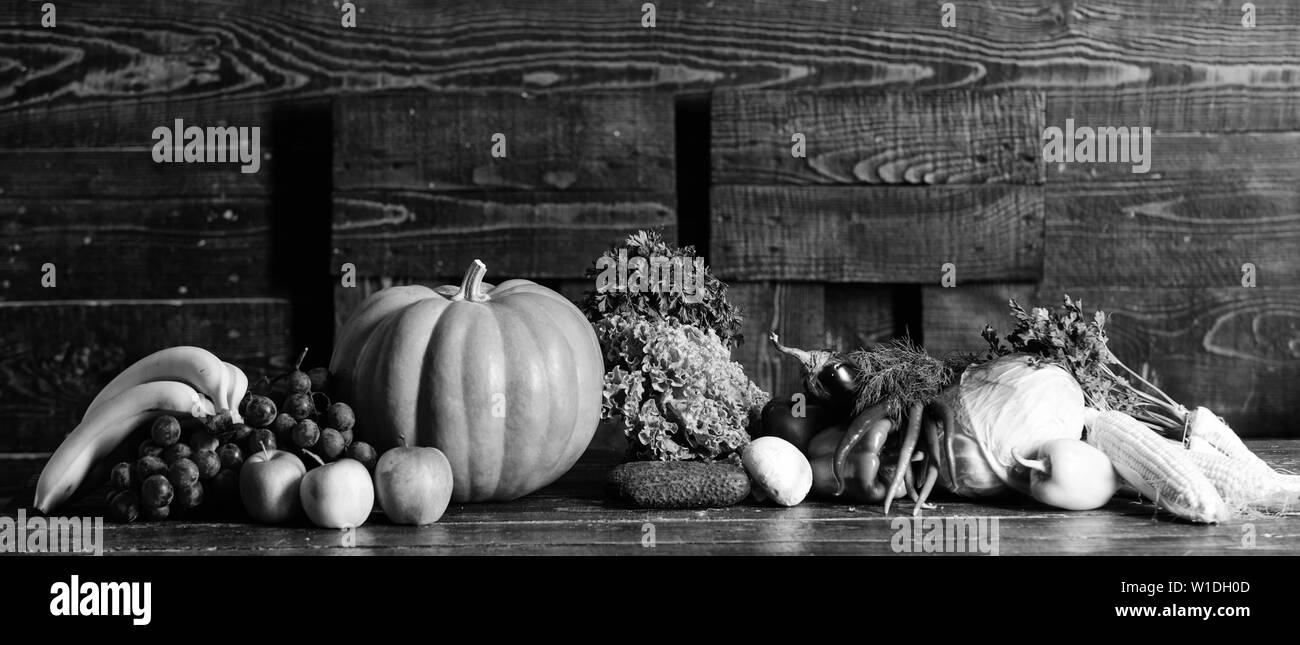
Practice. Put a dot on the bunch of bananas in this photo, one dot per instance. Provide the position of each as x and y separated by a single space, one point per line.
178 381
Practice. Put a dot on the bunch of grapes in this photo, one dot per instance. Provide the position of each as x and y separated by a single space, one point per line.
179 468
299 426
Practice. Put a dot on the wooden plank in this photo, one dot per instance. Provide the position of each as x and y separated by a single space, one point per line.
796 311
125 174
949 137
56 355
1231 349
294 49
527 234
619 142
1193 159
859 315
953 317
1188 107
156 248
1173 234
877 233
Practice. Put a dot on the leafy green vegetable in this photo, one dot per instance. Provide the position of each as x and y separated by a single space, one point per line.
675 389
712 312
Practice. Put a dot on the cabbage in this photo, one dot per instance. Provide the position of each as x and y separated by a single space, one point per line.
1008 406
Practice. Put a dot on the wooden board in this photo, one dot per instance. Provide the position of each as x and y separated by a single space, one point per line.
55 356
877 233
953 317
858 137
155 248
618 142
1163 235
229 48
524 234
1231 349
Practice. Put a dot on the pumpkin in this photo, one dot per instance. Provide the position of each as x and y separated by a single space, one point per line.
506 381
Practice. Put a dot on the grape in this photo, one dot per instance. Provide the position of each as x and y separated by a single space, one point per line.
364 453
166 430
125 507
156 491
261 439
156 513
176 451
218 424
330 445
261 411
120 476
189 496
183 472
306 433
239 433
299 405
150 449
298 381
208 463
347 437
201 441
146 466
340 415
231 456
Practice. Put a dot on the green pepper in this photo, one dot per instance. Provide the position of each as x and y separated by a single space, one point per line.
860 476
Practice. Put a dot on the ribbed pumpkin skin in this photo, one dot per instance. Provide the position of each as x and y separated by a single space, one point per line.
422 368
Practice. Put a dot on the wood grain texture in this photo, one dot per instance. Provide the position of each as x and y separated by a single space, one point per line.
157 248
953 317
55 356
949 137
619 142
860 315
573 517
795 311
1117 235
230 49
877 233
1232 349
518 234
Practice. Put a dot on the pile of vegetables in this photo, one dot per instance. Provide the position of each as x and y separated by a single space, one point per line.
1048 411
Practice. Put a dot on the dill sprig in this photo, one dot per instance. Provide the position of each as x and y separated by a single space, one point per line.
899 374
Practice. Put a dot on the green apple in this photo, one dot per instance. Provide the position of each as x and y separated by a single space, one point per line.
268 485
338 495
413 485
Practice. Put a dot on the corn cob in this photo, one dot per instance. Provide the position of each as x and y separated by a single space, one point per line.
1204 425
1157 468
1246 486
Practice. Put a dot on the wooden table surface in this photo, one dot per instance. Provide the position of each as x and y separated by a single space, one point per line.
573 517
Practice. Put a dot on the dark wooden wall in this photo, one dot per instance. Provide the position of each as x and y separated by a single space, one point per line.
923 149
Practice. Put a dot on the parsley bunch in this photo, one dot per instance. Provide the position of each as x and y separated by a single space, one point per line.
1078 342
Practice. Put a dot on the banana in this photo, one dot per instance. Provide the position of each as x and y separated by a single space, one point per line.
238 389
100 432
194 366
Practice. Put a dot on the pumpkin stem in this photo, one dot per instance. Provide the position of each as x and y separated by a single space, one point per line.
471 286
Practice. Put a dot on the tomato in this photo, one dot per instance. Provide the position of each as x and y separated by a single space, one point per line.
779 420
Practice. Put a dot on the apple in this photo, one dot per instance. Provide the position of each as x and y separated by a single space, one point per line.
413 484
268 485
338 495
